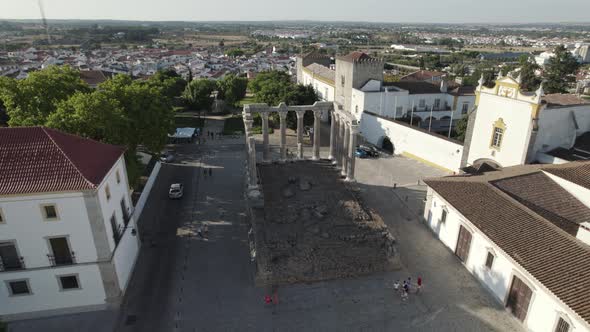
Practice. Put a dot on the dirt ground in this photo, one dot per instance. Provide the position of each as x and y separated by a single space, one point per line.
314 227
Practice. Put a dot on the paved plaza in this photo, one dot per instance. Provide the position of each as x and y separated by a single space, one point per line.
185 283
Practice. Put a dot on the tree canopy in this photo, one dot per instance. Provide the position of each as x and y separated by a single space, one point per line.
30 101
232 88
274 87
170 81
197 94
560 71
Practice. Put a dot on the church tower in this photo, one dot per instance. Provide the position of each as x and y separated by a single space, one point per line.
503 125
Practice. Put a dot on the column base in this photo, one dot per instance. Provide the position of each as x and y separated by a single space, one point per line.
349 179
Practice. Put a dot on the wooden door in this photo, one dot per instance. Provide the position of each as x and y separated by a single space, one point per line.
61 250
463 244
519 298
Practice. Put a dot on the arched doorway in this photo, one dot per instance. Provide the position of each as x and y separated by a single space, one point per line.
387 146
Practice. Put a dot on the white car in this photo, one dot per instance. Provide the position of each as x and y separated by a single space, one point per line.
176 191
167 157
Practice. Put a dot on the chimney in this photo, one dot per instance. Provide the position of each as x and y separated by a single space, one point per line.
443 86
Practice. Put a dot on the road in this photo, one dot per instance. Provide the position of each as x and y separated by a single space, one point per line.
184 283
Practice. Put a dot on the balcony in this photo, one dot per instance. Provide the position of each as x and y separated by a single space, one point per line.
61 260
432 108
12 264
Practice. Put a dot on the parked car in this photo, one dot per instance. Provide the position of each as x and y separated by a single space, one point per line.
176 191
167 157
367 151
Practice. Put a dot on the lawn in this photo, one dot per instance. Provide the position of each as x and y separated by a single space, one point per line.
235 125
188 121
246 100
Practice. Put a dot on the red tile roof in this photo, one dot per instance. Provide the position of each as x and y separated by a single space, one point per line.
38 159
354 56
529 232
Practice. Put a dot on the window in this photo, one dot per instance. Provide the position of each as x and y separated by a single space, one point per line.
498 133
497 139
1 217
49 212
356 109
115 229
422 103
399 110
437 103
118 176
562 325
18 287
342 80
68 282
9 258
465 108
489 260
107 192
443 216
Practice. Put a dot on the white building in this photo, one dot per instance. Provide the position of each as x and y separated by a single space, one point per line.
68 240
524 233
511 127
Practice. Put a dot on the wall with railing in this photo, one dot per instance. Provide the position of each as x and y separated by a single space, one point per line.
430 148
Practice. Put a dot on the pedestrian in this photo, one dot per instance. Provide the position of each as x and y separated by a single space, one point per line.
200 232
419 284
409 283
396 285
404 295
205 171
210 171
406 287
267 299
206 230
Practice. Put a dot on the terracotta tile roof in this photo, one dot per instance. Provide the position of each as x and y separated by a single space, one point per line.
416 87
322 71
422 75
38 159
552 256
576 172
93 77
467 90
563 99
354 56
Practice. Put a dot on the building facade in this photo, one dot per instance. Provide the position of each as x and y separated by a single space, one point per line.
68 240
523 232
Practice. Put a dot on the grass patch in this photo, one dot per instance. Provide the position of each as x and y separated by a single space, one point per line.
235 125
188 121
246 100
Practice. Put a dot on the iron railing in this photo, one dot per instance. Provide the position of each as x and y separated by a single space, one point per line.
60 260
16 264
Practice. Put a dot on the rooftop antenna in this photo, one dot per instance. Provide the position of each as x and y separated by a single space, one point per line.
44 21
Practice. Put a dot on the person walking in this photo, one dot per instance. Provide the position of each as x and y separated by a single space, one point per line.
419 284
206 230
200 232
210 171
396 285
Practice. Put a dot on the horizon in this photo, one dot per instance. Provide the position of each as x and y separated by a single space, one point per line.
369 11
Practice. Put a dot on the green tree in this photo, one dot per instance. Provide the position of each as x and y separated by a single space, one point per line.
197 94
33 99
147 113
93 115
461 128
7 84
170 81
560 71
529 80
234 53
232 88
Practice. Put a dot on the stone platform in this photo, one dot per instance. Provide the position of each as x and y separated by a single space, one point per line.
314 227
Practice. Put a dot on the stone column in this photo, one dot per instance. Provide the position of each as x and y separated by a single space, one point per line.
345 145
265 149
247 125
252 164
340 147
351 152
317 117
283 117
332 155
300 115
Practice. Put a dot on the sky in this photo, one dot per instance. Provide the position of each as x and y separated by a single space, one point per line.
431 11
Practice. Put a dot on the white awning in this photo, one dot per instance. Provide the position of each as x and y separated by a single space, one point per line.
183 133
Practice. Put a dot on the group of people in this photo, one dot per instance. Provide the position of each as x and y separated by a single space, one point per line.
214 134
203 232
407 286
208 171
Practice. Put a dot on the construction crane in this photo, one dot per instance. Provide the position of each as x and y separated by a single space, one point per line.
44 22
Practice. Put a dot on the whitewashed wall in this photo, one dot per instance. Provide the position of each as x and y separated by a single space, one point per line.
126 255
429 147
24 223
557 129
118 191
544 308
146 191
517 115
46 293
324 90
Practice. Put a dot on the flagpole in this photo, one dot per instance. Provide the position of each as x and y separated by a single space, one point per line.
412 114
395 109
430 122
